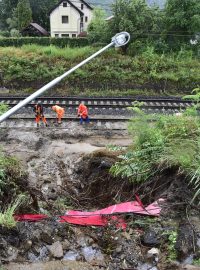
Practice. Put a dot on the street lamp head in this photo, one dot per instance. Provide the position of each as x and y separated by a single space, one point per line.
121 39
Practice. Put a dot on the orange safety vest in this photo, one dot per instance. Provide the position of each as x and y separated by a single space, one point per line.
83 111
59 110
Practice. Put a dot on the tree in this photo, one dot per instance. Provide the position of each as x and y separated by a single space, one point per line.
22 14
98 27
6 11
135 17
41 11
182 18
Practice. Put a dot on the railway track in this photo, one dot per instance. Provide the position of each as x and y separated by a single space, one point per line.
69 122
157 104
111 113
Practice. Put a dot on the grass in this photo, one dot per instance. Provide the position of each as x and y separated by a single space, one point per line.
170 141
109 74
7 216
55 52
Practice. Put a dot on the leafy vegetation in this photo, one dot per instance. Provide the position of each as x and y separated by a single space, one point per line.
147 72
7 215
12 189
161 142
167 29
3 108
171 250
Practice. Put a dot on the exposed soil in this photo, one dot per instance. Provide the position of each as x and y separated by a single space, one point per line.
70 169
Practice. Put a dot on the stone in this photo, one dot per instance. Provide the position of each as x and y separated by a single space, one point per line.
185 241
91 254
150 238
56 250
189 267
66 244
119 249
27 245
71 256
152 253
47 238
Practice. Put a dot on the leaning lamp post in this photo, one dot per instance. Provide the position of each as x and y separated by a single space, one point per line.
118 40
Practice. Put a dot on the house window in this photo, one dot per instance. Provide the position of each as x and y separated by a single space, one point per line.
73 35
86 19
65 35
82 6
56 35
65 19
64 4
81 19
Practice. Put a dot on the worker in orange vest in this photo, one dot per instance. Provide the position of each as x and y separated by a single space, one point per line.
39 114
60 113
83 113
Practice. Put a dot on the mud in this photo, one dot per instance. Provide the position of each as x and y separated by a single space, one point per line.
69 168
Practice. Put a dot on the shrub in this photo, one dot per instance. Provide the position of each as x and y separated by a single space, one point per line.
43 41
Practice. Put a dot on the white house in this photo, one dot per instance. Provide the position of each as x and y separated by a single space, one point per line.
70 18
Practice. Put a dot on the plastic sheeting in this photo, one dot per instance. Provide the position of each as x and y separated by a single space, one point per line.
102 217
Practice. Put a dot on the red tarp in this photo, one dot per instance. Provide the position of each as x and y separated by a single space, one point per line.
122 208
101 217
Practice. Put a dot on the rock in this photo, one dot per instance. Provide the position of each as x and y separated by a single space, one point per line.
56 250
150 238
66 244
47 238
152 253
118 249
84 241
91 254
146 266
189 267
71 256
43 255
27 245
185 241
12 254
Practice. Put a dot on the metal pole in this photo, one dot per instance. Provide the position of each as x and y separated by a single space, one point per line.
118 40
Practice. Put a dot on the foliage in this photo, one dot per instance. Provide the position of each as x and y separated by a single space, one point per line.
182 19
3 108
168 141
135 17
98 28
7 215
196 262
43 41
171 250
22 14
40 11
110 74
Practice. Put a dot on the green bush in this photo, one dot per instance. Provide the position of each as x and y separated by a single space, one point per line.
43 41
169 141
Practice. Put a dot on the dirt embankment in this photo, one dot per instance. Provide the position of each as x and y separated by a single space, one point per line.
65 171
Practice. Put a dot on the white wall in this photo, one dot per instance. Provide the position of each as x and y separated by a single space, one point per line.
57 27
87 12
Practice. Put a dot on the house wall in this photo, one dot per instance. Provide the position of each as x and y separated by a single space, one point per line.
59 28
73 26
87 13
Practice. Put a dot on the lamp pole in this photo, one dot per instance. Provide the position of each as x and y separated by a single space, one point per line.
118 40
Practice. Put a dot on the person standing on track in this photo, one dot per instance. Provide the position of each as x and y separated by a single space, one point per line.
39 114
83 113
60 113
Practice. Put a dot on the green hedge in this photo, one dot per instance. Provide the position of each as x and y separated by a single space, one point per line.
44 41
